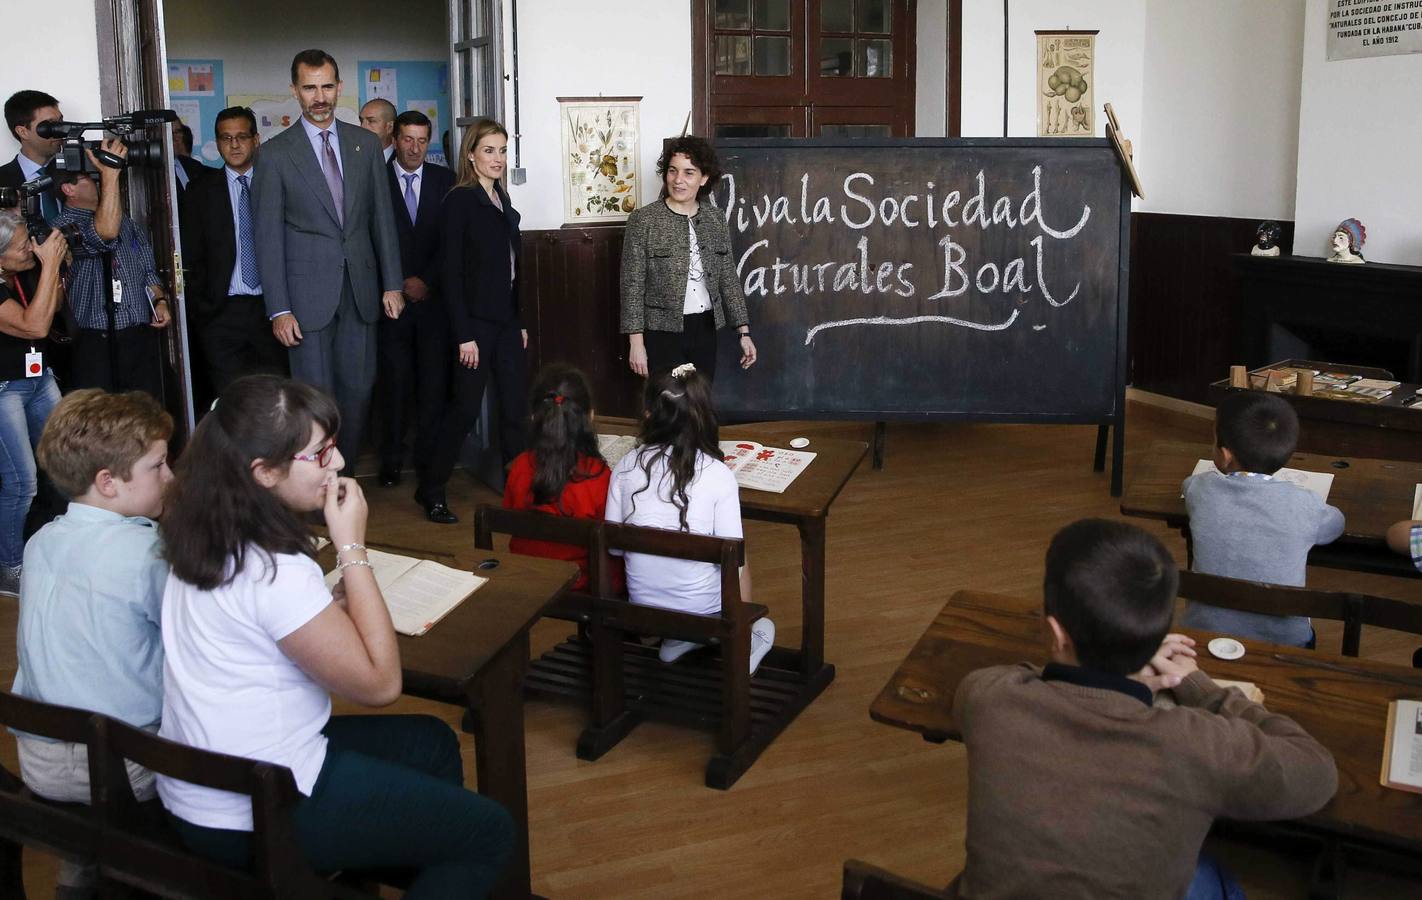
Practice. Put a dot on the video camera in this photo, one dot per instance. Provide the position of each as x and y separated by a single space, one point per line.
26 199
141 152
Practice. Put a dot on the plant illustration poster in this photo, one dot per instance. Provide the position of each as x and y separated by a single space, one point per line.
600 155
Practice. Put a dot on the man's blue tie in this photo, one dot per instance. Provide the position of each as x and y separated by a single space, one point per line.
49 208
411 204
248 256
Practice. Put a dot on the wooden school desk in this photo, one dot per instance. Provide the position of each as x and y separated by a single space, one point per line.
805 504
1341 701
476 657
1387 429
1372 494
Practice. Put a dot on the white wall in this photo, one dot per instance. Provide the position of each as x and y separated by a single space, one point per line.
256 39
1118 59
1219 133
1207 91
1360 140
63 32
930 118
644 49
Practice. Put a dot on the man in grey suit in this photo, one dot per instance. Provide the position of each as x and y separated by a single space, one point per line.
327 246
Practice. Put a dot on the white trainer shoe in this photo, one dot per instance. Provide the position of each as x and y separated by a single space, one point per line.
10 581
673 650
762 639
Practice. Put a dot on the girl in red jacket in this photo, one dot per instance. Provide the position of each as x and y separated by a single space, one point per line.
563 472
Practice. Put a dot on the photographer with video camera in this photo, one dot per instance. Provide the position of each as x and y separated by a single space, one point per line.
28 391
115 293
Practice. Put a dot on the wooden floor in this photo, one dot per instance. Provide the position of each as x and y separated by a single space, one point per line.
956 506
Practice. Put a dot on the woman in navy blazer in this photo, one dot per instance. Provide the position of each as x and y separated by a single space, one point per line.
479 281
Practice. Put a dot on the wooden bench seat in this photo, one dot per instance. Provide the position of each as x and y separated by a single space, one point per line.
129 842
623 681
1354 610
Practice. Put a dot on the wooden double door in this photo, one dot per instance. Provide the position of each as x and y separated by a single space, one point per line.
804 68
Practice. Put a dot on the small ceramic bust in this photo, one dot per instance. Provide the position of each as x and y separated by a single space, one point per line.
1266 239
1348 240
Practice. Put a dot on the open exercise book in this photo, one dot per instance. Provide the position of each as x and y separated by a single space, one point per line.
1402 747
755 466
1318 482
418 592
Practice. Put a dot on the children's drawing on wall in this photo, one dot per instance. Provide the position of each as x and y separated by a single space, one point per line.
600 153
1066 83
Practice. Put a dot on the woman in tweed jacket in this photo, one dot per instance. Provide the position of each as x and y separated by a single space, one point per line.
679 281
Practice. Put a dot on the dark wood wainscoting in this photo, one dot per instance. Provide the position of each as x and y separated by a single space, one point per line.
1186 317
570 296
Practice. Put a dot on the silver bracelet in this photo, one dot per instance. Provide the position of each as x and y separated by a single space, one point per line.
354 562
344 547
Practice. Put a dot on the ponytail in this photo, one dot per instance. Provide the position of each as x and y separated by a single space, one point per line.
680 422
560 433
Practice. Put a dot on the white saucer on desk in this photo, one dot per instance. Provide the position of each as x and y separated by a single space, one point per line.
800 443
1226 648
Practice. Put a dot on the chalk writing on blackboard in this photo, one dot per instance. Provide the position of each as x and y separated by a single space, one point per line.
856 206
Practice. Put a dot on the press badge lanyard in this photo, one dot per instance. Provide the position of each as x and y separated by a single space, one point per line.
34 360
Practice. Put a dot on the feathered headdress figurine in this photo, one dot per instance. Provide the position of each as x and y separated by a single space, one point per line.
1348 240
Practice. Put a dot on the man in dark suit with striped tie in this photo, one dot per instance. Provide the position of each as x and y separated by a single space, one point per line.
413 352
224 282
326 242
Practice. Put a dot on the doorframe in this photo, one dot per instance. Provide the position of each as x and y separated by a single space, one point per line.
133 46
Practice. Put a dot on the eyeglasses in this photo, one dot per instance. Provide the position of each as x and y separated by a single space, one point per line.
320 457
240 137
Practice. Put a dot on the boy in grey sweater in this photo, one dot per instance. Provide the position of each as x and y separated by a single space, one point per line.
1246 524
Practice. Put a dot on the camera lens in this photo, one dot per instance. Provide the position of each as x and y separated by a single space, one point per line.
145 153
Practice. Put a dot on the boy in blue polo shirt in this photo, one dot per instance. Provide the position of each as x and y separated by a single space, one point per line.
1247 524
92 584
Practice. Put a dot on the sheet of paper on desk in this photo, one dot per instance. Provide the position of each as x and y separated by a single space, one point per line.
1417 502
762 468
418 592
615 446
1318 482
1372 384
1402 746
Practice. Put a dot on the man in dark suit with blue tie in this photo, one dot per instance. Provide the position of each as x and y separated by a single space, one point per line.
326 245
414 351
224 281
24 111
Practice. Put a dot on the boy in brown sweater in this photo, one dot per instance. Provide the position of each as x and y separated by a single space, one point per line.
1078 785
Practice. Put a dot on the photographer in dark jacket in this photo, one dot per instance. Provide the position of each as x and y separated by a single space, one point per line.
479 285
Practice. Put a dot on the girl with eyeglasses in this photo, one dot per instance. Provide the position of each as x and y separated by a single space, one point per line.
255 644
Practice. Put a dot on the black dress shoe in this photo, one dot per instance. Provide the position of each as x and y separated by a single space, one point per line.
389 476
436 511
439 514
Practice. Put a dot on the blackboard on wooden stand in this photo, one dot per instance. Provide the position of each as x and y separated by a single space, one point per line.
977 279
